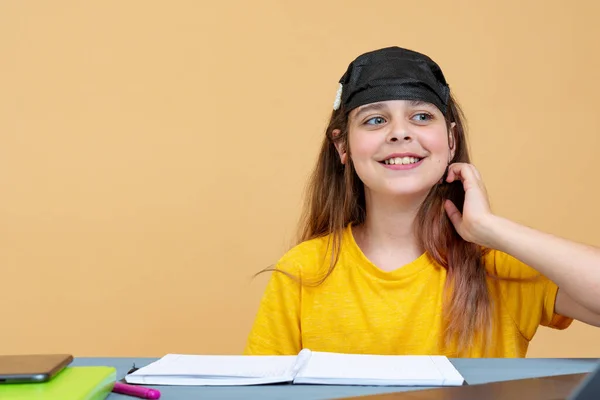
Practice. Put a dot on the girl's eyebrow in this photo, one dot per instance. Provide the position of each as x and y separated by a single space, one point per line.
383 107
420 103
370 107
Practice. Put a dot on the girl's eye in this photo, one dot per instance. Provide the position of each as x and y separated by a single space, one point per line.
422 117
375 121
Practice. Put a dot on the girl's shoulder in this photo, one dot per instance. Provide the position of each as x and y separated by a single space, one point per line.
308 258
504 265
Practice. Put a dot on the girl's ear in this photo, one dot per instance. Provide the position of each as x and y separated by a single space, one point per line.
452 140
340 147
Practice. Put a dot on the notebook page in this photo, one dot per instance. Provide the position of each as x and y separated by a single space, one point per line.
451 375
218 367
362 369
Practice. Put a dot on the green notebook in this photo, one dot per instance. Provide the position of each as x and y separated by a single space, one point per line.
72 383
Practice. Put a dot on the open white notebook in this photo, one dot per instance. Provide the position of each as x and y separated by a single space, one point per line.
308 367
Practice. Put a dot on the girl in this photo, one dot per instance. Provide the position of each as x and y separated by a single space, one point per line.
399 251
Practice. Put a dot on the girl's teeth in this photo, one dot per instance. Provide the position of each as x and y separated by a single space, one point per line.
401 160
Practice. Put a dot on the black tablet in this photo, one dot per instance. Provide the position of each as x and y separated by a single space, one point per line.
32 367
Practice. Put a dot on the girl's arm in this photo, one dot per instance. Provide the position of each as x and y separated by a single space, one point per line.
574 267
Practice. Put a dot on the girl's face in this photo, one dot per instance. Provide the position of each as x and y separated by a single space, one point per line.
399 147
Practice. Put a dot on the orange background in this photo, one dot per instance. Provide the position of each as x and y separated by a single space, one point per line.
153 154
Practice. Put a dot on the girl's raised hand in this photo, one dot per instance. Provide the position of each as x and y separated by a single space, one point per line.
472 224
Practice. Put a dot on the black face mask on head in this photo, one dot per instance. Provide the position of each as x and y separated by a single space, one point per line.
392 73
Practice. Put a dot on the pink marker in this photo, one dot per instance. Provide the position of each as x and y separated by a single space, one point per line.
137 391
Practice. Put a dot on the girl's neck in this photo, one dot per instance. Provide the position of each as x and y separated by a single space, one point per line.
387 236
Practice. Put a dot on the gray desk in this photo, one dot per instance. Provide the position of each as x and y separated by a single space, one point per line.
474 371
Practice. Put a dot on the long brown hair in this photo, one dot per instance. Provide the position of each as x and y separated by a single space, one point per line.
335 198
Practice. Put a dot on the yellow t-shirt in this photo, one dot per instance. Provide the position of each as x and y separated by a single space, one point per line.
360 308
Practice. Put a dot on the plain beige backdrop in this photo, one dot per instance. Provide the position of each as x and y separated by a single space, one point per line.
153 154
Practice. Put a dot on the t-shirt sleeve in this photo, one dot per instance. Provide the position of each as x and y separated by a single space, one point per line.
276 328
529 296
